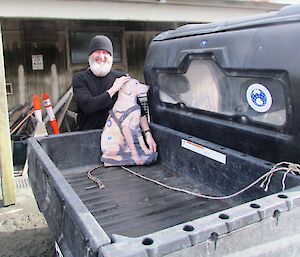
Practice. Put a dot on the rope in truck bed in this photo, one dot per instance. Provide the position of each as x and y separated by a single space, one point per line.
288 167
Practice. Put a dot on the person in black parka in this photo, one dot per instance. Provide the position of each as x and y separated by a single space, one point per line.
95 89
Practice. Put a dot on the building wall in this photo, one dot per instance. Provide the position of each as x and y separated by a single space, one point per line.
50 38
137 43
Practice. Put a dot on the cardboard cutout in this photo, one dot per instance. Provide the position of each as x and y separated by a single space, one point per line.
122 142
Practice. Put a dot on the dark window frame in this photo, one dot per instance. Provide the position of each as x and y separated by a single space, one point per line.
120 60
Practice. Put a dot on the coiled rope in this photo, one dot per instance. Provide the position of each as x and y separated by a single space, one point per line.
96 180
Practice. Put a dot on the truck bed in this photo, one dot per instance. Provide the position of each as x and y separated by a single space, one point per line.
147 219
131 206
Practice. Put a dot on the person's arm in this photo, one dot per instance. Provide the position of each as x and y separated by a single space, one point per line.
119 82
90 104
149 138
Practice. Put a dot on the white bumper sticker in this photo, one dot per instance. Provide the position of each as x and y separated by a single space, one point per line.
217 156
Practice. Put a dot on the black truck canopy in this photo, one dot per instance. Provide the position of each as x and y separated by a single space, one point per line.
233 83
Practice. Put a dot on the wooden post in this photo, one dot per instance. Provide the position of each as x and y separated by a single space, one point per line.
8 185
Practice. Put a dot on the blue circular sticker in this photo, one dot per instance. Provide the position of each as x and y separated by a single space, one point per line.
259 97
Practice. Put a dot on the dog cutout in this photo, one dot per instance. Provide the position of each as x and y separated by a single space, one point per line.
122 142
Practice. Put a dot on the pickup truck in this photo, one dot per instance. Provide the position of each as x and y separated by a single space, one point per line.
225 113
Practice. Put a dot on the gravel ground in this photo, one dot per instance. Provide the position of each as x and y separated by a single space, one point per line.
23 229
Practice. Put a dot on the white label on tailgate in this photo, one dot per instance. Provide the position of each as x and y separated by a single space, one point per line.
204 151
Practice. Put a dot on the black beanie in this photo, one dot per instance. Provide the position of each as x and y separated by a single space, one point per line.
100 42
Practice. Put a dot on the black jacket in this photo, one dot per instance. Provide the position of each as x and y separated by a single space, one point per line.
92 99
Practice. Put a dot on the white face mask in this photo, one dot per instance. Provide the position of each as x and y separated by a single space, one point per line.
101 69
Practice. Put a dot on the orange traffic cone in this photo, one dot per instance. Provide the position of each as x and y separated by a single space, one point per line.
37 108
50 113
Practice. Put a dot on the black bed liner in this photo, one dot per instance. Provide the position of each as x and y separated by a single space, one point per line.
131 206
131 213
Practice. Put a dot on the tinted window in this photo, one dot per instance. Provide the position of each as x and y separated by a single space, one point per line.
205 86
